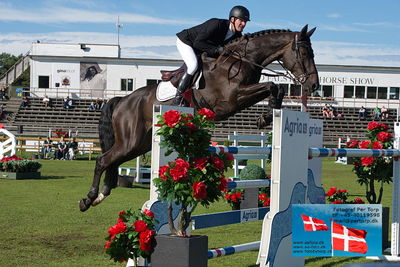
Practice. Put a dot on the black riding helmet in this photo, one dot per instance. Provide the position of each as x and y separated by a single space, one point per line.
240 12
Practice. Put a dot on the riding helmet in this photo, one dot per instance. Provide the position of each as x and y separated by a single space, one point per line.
240 12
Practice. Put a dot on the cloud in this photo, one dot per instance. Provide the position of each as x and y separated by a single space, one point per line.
334 15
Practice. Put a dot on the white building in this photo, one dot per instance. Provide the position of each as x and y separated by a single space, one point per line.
60 69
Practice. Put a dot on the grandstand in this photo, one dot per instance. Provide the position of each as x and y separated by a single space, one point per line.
38 120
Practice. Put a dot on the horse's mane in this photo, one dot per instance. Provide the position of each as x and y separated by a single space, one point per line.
257 34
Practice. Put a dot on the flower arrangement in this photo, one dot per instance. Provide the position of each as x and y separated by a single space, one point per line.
340 196
58 133
264 200
196 176
370 169
132 236
16 164
233 197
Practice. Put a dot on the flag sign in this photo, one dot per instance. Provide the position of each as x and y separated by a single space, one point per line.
348 239
313 224
345 230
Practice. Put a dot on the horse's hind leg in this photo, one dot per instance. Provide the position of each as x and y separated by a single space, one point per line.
110 182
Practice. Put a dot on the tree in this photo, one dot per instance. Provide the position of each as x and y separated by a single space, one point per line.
7 61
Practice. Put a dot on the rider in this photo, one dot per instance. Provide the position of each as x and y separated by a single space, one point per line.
209 37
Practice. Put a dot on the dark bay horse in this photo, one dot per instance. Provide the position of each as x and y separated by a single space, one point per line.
231 83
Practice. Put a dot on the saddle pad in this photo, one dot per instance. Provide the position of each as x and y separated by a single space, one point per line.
165 91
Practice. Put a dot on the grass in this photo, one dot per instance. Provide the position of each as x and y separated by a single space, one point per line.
42 225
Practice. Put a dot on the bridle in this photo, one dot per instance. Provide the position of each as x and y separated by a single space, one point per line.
296 44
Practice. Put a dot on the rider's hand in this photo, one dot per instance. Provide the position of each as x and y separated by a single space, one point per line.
224 52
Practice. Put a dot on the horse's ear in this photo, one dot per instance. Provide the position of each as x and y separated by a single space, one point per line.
303 32
311 32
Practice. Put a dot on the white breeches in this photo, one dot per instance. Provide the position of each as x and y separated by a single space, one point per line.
188 56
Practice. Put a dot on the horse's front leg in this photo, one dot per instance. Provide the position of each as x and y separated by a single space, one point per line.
251 94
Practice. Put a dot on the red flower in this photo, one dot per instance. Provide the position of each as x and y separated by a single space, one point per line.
267 202
331 191
358 201
145 240
229 156
377 145
217 163
337 202
365 144
116 229
384 126
207 113
162 171
342 191
180 170
108 244
191 126
372 125
140 226
149 213
199 190
384 136
352 143
238 195
200 163
222 183
172 118
227 196
367 161
121 216
233 197
262 196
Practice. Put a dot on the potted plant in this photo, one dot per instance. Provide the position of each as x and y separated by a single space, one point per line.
251 195
17 168
195 177
132 236
234 197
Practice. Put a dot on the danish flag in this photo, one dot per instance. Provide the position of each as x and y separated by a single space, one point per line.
348 239
312 224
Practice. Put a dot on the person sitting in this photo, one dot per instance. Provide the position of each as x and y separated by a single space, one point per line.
25 102
99 102
209 37
384 113
72 147
46 101
332 111
362 113
377 113
60 149
92 106
325 111
68 103
46 149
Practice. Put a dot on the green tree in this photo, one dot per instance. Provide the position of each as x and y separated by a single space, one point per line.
7 61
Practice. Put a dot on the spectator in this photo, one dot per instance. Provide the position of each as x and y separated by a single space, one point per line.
46 101
377 113
2 112
60 149
99 102
68 103
72 149
332 111
46 149
92 106
25 102
104 102
384 113
2 92
362 113
325 111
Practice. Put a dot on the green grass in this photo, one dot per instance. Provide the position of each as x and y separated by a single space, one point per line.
42 225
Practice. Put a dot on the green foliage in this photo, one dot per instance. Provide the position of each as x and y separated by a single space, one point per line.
20 166
7 61
252 172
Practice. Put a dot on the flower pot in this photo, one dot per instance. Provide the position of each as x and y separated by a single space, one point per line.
173 251
236 205
125 181
19 175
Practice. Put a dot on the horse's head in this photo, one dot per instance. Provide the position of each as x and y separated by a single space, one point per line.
299 60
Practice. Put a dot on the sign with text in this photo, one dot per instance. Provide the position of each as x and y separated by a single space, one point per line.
342 230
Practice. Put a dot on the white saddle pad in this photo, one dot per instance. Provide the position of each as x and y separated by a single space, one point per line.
166 90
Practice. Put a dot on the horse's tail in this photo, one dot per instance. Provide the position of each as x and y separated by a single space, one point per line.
106 132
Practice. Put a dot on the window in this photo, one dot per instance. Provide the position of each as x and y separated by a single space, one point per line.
327 90
285 86
371 92
394 92
295 90
44 81
126 84
360 92
348 91
382 92
152 81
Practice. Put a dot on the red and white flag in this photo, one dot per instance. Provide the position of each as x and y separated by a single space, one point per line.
312 224
348 239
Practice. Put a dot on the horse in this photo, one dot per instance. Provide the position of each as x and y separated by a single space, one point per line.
230 84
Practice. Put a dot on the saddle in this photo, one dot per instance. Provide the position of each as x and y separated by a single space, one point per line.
175 75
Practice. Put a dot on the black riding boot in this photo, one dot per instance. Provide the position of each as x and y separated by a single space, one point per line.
183 85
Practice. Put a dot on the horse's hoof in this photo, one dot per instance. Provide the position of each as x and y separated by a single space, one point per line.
83 205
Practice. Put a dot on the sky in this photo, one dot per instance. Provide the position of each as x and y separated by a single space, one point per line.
349 32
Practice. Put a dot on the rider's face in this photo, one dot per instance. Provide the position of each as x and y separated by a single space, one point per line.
239 24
